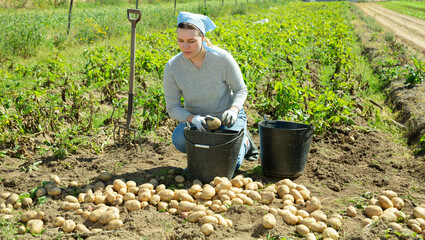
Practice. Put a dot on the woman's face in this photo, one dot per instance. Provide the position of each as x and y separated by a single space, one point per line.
190 42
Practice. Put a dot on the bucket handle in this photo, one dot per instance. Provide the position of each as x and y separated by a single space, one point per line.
310 127
218 145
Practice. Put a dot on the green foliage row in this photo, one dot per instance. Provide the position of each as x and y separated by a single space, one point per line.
301 65
412 8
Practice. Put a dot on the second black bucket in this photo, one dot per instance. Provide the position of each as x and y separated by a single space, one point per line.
284 147
212 154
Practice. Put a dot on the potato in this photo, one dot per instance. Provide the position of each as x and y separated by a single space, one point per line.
119 184
129 196
366 222
162 206
118 201
351 211
208 192
185 206
288 197
319 216
293 209
155 199
144 196
6 211
71 199
55 178
105 176
251 186
411 222
305 194
268 221
68 226
196 216
208 219
207 229
237 182
397 202
5 195
267 197
313 205
41 192
395 226
225 185
179 179
194 189
302 230
385 202
132 205
28 215
330 233
373 210
388 217
335 223
213 123
302 213
270 188
12 198
237 201
58 221
99 199
419 212
81 228
114 224
416 228
108 216
290 218
27 202
296 194
22 229
287 182
318 227
130 184
35 226
166 195
389 194
310 236
95 215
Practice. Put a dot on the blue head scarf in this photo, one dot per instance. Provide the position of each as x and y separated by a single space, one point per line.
202 22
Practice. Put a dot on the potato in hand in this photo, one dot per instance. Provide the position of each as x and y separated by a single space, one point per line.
213 123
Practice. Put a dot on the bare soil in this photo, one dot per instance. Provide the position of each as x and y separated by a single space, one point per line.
344 168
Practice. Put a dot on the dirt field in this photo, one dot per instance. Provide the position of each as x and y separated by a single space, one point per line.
410 29
345 168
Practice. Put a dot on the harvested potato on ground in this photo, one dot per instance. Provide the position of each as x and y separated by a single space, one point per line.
35 226
108 216
330 233
313 205
310 236
68 226
208 192
28 215
268 221
267 197
58 221
41 192
335 223
105 176
132 205
419 212
166 195
373 210
389 194
196 216
119 184
318 227
397 202
385 202
81 228
55 178
54 191
290 218
207 229
22 229
302 230
388 217
114 224
208 219
351 211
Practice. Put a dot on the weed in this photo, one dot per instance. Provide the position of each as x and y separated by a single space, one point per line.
32 167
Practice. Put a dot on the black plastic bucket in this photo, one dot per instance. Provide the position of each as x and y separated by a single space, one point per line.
284 147
212 154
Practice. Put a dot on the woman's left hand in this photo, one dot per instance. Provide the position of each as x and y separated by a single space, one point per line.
229 117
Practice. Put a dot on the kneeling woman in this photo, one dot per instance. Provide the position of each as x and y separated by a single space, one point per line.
210 82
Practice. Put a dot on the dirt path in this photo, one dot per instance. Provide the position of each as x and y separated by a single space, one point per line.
410 29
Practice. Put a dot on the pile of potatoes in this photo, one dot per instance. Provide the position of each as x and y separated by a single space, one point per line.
202 204
388 208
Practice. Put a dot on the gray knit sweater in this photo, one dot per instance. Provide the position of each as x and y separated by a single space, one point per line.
210 89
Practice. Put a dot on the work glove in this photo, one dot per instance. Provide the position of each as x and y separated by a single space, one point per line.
229 118
201 122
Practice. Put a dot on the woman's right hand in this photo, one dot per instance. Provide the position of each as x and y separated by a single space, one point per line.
200 123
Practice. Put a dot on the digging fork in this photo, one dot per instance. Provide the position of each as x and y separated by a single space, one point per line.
125 135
